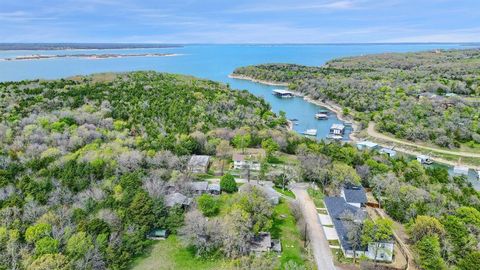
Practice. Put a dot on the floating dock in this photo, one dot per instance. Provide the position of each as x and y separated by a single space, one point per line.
283 93
337 129
310 132
321 116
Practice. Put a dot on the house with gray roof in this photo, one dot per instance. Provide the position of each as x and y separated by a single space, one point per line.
338 209
199 187
198 164
354 195
177 199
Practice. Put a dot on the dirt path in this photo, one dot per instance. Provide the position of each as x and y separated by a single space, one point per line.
379 136
318 241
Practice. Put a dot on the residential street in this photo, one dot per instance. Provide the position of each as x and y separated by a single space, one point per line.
318 241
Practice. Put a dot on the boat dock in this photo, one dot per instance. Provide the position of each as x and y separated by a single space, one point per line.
321 116
283 93
310 132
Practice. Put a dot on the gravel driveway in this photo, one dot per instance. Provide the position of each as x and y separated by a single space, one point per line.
318 241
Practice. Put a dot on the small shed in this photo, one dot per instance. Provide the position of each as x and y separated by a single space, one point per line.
199 164
388 151
263 242
424 159
158 234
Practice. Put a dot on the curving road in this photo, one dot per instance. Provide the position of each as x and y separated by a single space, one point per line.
318 241
372 132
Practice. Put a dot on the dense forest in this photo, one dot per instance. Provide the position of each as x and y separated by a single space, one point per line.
426 96
84 161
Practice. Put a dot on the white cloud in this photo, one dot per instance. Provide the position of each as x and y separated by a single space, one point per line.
279 7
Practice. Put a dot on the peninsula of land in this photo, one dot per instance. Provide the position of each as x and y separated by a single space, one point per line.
87 56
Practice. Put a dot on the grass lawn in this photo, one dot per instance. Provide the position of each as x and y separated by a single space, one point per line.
169 254
286 229
285 192
317 197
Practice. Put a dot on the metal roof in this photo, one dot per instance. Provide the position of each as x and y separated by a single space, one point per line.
199 186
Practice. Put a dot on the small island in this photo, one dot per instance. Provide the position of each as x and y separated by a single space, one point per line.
87 56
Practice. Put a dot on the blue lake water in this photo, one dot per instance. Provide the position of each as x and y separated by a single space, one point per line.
214 62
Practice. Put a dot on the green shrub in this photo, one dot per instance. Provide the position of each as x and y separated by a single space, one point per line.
227 183
209 205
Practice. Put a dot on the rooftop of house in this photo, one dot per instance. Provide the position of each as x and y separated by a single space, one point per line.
238 157
338 209
261 243
354 194
175 199
367 144
199 161
199 186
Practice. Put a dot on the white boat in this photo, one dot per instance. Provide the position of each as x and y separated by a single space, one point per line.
310 132
321 116
478 172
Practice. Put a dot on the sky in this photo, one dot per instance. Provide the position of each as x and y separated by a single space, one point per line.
245 21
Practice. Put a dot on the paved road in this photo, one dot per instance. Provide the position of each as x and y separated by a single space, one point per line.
318 241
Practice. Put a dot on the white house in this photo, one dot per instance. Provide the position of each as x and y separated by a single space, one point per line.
242 161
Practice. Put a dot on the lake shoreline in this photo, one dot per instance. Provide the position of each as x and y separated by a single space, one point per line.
355 126
246 78
330 106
